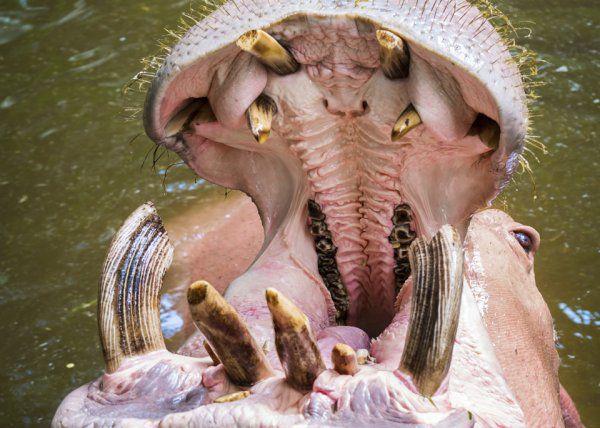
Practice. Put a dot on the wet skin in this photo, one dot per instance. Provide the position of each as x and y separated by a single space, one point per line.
384 155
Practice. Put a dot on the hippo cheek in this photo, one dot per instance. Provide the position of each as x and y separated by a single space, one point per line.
366 137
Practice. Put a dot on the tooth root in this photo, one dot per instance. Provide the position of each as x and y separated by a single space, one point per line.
344 359
408 120
394 55
211 353
294 341
242 358
269 51
197 110
435 308
128 312
487 129
260 116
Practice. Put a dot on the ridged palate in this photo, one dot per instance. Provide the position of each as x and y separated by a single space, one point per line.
355 181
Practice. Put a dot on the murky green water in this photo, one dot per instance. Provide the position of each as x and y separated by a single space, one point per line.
69 175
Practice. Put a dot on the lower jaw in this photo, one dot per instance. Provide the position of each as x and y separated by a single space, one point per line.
291 262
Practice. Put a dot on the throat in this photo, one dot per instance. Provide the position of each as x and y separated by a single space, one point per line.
360 234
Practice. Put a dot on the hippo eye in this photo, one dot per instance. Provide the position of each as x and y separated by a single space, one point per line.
525 240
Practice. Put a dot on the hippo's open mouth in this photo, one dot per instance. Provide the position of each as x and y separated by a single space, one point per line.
367 134
388 121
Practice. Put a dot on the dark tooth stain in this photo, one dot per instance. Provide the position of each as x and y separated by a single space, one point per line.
326 251
401 236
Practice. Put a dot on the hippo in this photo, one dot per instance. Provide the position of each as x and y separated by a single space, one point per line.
370 137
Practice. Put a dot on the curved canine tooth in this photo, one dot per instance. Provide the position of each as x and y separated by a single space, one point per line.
487 129
394 55
128 313
242 358
344 359
435 308
295 343
269 51
408 120
260 116
197 110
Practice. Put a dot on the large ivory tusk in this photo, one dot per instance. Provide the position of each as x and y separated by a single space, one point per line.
128 304
437 267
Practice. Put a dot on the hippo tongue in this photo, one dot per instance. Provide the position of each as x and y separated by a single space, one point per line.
437 267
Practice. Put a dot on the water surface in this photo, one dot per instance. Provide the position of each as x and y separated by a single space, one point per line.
70 172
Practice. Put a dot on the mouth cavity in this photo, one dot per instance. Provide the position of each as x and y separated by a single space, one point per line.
359 132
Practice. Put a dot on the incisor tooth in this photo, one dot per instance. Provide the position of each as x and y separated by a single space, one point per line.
344 360
294 341
269 51
228 335
260 116
408 120
394 55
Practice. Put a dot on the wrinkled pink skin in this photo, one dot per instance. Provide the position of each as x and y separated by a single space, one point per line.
503 371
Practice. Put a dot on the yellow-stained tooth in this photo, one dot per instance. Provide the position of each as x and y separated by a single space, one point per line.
344 359
228 334
269 51
394 55
294 341
234 396
260 116
408 120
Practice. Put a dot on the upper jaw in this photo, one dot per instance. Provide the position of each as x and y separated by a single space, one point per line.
334 118
461 38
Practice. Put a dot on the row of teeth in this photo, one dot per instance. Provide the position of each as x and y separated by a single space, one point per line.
394 57
326 262
129 318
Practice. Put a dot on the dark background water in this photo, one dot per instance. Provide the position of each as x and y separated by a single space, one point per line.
70 172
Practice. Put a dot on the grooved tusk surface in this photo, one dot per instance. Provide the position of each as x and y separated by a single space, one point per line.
437 267
228 334
269 51
296 346
128 303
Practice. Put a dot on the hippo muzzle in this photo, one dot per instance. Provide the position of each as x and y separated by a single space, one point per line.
367 134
